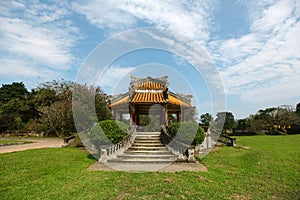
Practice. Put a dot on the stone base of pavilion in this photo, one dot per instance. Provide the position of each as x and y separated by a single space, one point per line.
136 167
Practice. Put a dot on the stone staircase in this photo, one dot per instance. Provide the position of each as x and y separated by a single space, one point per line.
147 148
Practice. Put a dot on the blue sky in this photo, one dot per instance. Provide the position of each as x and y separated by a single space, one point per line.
253 44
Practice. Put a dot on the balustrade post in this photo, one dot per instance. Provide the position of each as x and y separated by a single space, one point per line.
191 157
208 139
103 156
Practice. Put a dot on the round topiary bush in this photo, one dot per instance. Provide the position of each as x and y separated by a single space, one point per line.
173 129
187 132
108 131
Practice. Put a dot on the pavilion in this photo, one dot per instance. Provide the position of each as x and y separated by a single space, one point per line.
150 95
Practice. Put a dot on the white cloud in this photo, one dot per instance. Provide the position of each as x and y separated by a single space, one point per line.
189 18
110 80
20 70
38 36
39 32
105 14
264 65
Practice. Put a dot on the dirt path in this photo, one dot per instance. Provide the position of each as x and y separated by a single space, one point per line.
37 143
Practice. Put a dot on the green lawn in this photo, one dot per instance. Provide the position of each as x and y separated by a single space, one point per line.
266 167
12 142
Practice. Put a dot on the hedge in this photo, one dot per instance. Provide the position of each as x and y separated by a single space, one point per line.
187 132
107 132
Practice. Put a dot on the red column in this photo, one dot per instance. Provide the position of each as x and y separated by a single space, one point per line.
132 115
136 114
178 116
115 114
166 115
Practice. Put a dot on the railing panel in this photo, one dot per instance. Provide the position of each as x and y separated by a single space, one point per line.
107 152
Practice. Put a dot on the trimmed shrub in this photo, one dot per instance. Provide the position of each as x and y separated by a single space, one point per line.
108 131
173 129
187 132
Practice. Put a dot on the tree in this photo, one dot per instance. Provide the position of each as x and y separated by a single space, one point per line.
13 106
273 120
101 105
243 124
205 119
298 109
54 104
228 119
12 91
89 105
57 118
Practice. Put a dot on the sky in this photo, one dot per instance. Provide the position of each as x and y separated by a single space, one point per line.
251 49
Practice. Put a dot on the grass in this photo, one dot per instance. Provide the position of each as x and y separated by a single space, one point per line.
262 167
12 142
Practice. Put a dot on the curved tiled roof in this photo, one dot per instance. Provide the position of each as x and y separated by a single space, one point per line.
150 91
176 101
150 85
124 100
142 97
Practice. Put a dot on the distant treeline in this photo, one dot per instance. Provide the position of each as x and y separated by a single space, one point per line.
276 120
48 109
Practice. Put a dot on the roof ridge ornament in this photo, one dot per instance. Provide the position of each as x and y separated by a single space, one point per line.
136 81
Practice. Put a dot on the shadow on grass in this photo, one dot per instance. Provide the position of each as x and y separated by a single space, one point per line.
92 157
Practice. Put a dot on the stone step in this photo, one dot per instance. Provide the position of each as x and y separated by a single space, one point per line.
146 141
148 133
146 148
148 137
137 167
154 161
157 135
147 156
147 145
140 143
153 152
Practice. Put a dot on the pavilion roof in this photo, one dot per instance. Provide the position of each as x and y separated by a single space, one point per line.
150 91
150 85
150 97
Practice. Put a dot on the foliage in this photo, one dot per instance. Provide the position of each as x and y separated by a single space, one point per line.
150 122
187 132
78 142
171 118
267 169
101 105
48 107
243 124
173 128
227 118
58 118
273 120
12 91
205 119
108 131
89 105
13 142
55 107
14 106
298 109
